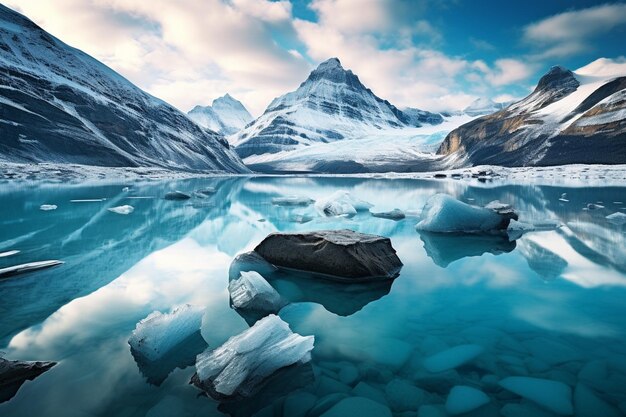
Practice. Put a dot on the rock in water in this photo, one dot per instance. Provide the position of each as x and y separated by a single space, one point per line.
292 201
239 367
177 195
126 209
395 214
14 373
29 267
452 358
344 254
445 214
252 292
552 395
158 333
463 399
341 203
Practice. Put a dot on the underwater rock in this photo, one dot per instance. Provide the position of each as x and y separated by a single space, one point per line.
444 248
452 358
14 373
445 214
252 292
176 195
395 214
463 399
403 395
552 395
28 267
342 254
357 406
126 209
240 366
158 333
292 201
588 404
341 203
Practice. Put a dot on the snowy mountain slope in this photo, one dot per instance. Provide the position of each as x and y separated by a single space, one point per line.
482 106
570 117
331 105
58 104
399 150
225 115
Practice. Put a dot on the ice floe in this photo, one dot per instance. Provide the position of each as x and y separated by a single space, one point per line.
240 366
126 209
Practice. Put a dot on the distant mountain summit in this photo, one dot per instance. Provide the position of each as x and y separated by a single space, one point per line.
482 106
570 117
225 115
58 104
329 106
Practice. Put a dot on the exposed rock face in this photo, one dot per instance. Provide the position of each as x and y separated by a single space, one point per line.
343 254
14 373
569 118
60 105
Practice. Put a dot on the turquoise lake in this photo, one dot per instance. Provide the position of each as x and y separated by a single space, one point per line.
549 305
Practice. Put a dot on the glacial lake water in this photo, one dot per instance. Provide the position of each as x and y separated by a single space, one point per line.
550 305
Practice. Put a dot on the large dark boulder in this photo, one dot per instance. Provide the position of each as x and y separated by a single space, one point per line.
342 254
14 373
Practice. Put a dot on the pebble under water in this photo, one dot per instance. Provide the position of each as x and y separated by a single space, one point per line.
472 326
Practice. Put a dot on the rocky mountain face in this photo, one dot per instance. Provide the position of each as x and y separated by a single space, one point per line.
58 104
330 106
225 115
570 117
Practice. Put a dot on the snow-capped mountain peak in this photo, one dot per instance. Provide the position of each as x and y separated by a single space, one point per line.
225 115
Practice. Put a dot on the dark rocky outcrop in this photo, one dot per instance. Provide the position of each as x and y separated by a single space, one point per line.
14 373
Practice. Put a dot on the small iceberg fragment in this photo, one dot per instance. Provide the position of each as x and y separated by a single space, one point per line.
176 196
452 358
293 201
9 253
88 200
159 333
564 198
28 267
240 366
300 218
252 292
617 218
47 207
463 399
126 189
341 203
342 254
445 214
395 214
555 396
594 206
14 373
126 209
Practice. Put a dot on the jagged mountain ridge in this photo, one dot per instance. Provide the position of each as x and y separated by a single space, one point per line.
225 115
570 117
330 105
58 104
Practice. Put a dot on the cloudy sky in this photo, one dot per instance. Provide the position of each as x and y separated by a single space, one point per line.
434 55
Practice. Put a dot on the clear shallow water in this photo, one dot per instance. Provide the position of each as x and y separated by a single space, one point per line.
550 305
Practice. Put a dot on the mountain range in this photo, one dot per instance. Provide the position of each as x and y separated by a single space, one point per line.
58 104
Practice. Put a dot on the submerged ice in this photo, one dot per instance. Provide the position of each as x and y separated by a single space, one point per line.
341 203
252 292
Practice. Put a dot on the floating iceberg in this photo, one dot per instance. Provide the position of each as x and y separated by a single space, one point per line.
29 267
617 218
293 201
158 333
126 209
176 195
47 207
252 292
395 214
240 366
445 214
341 203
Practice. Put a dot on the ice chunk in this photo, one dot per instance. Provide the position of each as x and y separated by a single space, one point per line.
126 209
341 203
552 395
88 200
252 292
452 358
395 214
9 253
158 333
564 198
126 189
617 218
293 200
358 406
445 214
594 206
516 229
463 399
29 267
239 366
47 207
176 195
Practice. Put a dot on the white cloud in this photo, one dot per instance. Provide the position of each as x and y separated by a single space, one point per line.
508 71
569 33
